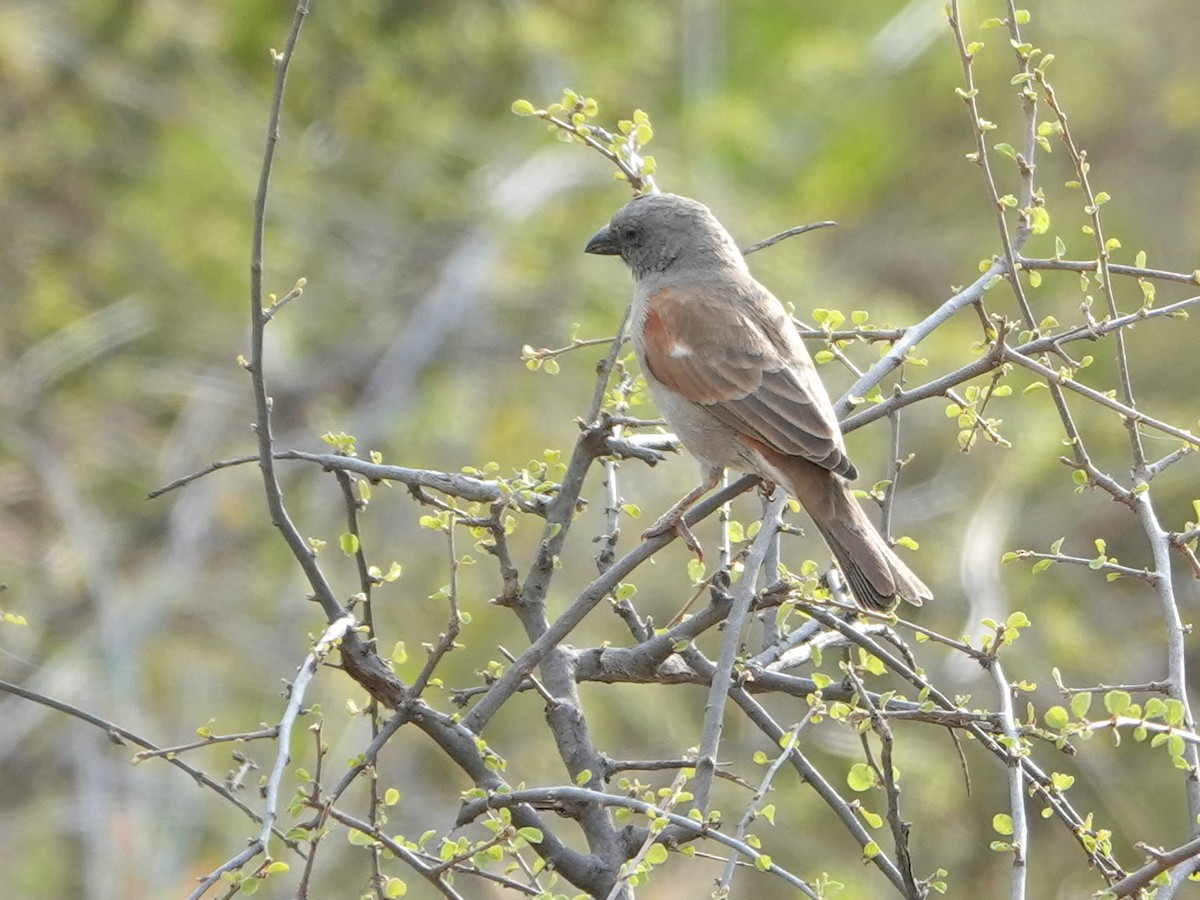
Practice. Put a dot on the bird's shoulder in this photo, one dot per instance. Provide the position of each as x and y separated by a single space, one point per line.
730 313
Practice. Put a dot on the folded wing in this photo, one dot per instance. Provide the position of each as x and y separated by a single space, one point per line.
744 361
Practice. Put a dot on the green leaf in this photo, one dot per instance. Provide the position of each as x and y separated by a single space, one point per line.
391 797
1061 781
348 542
584 776
1080 704
276 867
861 777
395 887
532 835
1175 712
768 813
1117 702
1002 823
656 855
1057 717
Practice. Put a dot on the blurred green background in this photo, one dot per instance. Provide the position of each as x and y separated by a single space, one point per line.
438 234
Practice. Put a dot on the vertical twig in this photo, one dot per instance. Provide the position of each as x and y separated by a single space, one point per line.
1016 781
763 787
885 772
743 596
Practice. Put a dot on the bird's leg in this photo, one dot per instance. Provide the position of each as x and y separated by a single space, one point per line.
672 519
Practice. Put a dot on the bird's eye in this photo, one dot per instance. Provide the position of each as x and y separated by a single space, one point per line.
629 234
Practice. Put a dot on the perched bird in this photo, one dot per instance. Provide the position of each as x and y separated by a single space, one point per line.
730 374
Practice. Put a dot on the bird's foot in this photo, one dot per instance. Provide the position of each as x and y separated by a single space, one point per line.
672 521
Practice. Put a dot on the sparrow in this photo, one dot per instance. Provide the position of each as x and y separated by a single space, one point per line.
729 372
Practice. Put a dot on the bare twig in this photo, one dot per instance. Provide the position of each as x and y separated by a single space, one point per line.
241 737
119 735
784 235
1161 861
1019 841
714 707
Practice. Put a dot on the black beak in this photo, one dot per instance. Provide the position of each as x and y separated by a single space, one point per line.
603 243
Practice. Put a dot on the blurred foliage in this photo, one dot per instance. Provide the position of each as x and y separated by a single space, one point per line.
439 234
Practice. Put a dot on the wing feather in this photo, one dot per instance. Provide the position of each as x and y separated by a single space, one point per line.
745 361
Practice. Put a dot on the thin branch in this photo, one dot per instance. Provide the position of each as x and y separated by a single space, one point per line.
1114 568
511 680
1103 273
885 773
556 797
784 235
1161 860
714 707
429 873
1054 377
119 735
810 774
1091 265
453 484
1040 783
629 868
760 793
230 865
333 634
239 738
1019 841
614 766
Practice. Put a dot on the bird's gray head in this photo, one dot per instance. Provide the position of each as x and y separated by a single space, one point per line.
657 232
